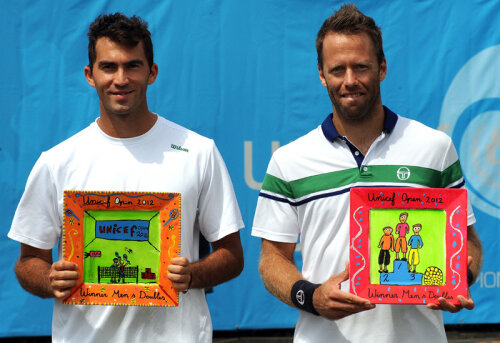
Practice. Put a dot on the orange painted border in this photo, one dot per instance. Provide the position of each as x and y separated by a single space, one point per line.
169 206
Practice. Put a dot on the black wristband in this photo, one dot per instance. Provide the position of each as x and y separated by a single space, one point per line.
302 295
470 277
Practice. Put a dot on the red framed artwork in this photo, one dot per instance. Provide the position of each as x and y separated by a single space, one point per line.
408 245
122 243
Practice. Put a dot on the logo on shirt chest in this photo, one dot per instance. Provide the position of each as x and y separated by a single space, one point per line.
403 173
178 147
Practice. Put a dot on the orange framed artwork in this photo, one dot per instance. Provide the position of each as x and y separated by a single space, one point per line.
122 243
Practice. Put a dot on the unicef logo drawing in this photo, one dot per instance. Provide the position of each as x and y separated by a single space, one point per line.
470 114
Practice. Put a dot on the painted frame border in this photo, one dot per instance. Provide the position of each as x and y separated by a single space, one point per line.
169 207
452 201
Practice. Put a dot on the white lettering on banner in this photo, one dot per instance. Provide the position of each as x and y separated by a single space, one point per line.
248 167
489 279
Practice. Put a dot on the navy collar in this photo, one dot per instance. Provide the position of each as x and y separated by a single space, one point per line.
331 133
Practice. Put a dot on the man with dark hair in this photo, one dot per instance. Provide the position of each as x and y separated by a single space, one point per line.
129 148
123 30
305 194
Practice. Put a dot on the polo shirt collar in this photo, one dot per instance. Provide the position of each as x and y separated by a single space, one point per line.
331 133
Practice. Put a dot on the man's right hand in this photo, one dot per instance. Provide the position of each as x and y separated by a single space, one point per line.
332 303
38 274
279 273
63 277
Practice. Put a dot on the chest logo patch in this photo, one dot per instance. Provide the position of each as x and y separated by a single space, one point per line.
403 173
178 147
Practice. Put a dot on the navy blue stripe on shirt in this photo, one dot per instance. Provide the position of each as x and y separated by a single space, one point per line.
460 185
302 202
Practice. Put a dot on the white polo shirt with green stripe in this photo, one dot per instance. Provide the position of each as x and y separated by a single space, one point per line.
305 194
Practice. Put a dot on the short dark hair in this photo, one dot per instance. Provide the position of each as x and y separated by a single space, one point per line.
349 20
121 29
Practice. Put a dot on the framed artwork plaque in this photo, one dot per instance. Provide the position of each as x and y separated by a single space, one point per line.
122 243
408 245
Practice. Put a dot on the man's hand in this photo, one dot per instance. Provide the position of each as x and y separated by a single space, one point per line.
445 305
222 264
464 302
38 275
179 272
279 273
332 303
63 277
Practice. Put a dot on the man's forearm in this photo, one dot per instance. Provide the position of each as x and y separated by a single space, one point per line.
223 264
33 275
277 269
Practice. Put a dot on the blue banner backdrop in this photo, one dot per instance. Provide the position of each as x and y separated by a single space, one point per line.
245 74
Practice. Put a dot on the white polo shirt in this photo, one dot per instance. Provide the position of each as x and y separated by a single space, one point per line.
167 158
305 194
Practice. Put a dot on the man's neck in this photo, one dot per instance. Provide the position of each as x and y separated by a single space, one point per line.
126 126
361 133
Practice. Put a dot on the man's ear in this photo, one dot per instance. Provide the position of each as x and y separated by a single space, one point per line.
383 70
322 76
153 74
88 76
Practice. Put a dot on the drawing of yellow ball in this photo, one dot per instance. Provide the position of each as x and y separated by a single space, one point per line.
433 276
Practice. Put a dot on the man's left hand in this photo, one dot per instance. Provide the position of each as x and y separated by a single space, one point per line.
464 302
445 305
179 272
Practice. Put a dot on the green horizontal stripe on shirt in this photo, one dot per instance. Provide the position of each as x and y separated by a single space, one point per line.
425 177
451 174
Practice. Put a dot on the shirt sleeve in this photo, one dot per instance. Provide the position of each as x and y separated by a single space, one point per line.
276 217
36 221
219 214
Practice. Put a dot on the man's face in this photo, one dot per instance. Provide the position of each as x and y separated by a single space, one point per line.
352 74
121 75
403 218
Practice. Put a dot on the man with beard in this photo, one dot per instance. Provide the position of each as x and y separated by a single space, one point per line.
306 193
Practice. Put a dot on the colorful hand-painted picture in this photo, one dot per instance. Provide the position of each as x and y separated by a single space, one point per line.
408 245
122 243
